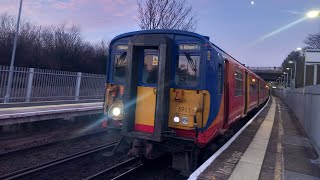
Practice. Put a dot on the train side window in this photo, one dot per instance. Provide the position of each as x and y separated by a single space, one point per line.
253 89
238 83
220 78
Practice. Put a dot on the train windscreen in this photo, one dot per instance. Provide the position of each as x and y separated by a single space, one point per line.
187 73
120 67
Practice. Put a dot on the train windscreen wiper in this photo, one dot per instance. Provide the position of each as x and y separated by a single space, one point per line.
191 62
121 59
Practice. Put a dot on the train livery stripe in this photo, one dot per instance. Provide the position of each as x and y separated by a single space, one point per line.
215 126
144 128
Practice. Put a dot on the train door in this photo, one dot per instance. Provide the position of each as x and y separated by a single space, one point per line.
246 101
226 93
258 89
147 92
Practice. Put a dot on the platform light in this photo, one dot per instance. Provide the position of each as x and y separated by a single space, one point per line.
299 48
313 14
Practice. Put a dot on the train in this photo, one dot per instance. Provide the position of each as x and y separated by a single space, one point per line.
175 91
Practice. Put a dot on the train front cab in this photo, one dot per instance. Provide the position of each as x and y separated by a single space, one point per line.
180 96
163 91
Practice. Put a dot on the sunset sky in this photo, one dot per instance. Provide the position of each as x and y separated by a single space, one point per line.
261 34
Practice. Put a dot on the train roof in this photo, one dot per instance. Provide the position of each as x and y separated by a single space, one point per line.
173 31
180 32
161 31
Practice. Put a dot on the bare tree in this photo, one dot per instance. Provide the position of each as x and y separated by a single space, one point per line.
55 47
166 14
313 41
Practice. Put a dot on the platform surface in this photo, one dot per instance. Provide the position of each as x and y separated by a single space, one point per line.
34 113
273 146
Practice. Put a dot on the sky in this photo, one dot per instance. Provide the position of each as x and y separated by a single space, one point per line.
262 33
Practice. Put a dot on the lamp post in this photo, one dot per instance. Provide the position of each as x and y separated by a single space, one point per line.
295 72
290 77
280 82
285 79
313 14
10 78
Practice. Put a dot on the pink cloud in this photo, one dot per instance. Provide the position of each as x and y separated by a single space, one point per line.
99 17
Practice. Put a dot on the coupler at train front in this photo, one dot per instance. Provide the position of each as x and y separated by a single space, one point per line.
184 155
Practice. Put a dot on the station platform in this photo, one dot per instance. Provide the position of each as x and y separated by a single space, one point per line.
14 115
272 145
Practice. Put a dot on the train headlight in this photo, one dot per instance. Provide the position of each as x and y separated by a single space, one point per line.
116 111
176 119
184 120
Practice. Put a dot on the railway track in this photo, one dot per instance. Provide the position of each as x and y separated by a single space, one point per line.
45 145
28 171
118 171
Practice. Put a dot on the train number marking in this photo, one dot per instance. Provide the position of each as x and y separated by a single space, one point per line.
184 110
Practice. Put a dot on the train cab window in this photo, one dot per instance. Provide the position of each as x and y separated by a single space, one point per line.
150 69
238 83
120 67
187 73
220 84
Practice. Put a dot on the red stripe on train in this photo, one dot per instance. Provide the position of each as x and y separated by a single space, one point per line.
144 128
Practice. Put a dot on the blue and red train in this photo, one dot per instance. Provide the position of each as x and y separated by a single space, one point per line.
169 87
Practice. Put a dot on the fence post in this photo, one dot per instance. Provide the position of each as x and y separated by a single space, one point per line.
315 72
29 85
78 83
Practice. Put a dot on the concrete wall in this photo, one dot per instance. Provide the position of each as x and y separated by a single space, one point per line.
305 104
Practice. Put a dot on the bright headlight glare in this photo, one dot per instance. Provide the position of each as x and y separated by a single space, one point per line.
176 119
184 120
116 111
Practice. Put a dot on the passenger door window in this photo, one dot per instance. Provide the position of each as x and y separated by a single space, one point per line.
150 69
238 83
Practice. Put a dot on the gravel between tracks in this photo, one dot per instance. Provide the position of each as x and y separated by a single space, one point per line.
79 168
15 162
41 134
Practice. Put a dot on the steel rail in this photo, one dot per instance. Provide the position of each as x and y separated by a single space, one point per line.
116 167
46 165
55 142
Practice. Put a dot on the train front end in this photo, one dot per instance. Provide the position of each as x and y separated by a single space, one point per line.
157 93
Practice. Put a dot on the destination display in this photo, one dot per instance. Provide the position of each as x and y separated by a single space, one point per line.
122 47
189 47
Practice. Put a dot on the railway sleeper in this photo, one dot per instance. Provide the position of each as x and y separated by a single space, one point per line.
184 157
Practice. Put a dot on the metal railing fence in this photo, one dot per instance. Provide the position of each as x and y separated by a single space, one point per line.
32 85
